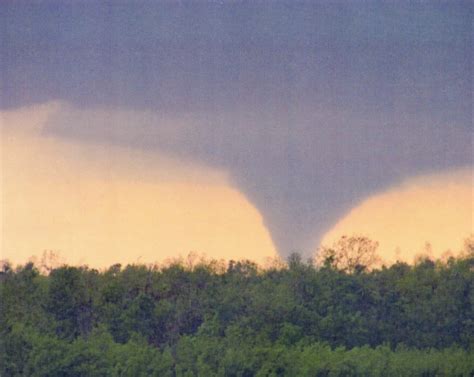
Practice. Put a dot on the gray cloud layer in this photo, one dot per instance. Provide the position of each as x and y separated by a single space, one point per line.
310 106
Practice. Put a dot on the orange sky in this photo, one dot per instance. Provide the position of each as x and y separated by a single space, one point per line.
435 209
99 205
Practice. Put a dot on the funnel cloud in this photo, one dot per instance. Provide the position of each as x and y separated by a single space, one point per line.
301 173
310 107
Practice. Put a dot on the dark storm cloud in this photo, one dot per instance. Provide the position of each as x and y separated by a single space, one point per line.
310 106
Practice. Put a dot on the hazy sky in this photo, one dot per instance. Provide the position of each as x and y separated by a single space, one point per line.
306 108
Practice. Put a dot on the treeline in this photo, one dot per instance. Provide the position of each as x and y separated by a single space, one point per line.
207 319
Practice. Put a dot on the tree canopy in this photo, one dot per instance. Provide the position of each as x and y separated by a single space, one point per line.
205 318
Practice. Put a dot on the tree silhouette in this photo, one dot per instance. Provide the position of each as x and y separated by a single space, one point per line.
350 254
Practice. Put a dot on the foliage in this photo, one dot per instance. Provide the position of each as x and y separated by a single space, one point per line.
200 319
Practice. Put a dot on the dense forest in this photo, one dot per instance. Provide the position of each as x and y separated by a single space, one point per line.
337 317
